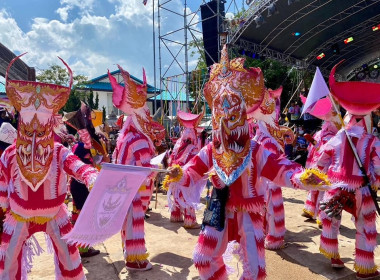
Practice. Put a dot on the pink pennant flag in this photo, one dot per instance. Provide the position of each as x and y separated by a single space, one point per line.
145 1
317 91
107 205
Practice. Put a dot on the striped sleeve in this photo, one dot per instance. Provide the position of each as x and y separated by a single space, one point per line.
5 177
75 168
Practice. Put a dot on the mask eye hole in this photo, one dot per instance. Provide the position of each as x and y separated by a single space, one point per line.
29 133
40 134
232 118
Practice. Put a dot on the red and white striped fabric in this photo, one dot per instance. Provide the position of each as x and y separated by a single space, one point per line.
311 207
43 210
275 213
134 148
245 205
344 171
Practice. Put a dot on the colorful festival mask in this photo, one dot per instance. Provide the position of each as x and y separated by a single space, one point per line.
37 104
232 92
131 99
189 134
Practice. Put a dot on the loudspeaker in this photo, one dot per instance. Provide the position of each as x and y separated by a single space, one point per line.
210 28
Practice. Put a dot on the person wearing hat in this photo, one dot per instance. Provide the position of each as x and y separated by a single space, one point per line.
322 109
354 193
184 150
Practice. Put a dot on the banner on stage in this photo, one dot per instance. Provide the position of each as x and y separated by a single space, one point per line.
107 205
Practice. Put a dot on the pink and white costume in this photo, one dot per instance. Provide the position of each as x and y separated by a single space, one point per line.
234 164
271 136
359 99
33 182
329 129
184 150
275 213
135 146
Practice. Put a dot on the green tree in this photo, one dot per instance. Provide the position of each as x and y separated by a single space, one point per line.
199 75
96 105
90 99
104 113
58 75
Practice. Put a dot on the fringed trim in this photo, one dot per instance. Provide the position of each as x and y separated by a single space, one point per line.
36 220
320 179
250 205
329 255
228 255
308 212
274 243
168 180
365 270
137 258
49 244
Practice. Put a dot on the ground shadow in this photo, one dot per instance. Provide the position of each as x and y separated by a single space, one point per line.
293 200
316 263
161 221
165 266
92 265
298 251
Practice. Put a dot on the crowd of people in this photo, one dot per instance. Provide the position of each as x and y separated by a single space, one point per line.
254 151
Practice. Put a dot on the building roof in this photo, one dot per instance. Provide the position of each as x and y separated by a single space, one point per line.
172 96
95 83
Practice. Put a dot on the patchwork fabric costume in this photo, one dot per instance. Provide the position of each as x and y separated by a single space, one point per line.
359 99
33 182
272 136
135 146
184 150
234 164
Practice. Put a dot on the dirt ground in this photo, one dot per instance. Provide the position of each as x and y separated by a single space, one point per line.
170 247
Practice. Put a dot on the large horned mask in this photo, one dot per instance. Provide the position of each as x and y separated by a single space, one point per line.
131 99
37 104
232 93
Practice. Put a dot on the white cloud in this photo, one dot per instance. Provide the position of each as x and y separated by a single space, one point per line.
68 5
91 43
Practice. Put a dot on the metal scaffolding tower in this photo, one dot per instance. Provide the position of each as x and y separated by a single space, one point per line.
179 41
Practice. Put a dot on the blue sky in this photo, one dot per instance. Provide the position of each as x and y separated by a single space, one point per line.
90 35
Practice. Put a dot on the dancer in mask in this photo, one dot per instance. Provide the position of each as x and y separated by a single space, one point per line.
136 146
33 181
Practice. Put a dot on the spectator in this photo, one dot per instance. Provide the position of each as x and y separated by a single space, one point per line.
291 114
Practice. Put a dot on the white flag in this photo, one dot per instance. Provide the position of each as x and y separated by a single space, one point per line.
317 91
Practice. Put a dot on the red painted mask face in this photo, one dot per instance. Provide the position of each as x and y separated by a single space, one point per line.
232 92
37 104
34 149
230 131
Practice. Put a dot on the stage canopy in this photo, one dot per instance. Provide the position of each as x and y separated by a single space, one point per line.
309 33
